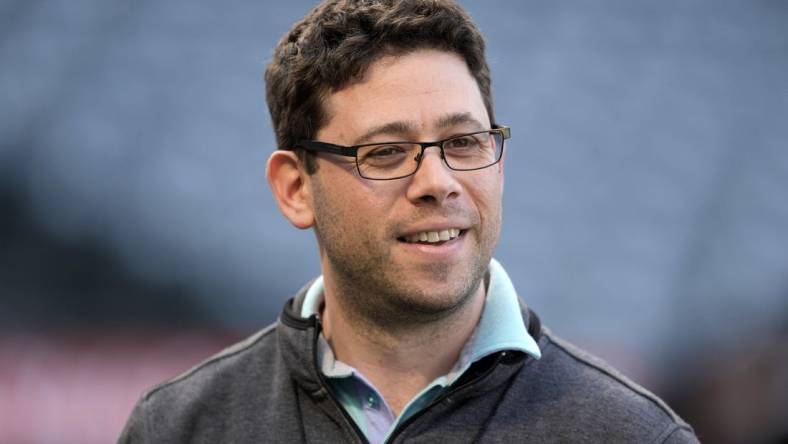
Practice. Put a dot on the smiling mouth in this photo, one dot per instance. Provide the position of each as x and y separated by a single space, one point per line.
432 237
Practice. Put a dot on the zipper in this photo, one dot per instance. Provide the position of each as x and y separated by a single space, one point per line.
331 395
442 397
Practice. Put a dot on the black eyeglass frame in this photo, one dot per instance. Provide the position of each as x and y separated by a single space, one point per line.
352 151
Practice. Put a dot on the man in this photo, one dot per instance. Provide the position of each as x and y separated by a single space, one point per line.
388 148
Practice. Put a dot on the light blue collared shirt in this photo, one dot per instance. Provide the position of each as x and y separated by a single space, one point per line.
500 328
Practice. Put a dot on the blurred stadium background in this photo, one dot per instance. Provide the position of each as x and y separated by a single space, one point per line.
646 209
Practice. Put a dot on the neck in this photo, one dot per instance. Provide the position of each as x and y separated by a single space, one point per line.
400 360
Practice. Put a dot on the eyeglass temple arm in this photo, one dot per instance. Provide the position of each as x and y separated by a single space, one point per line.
506 132
325 147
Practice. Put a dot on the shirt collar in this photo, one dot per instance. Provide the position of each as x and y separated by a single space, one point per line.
500 327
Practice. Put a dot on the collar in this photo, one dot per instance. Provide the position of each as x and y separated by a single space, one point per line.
500 327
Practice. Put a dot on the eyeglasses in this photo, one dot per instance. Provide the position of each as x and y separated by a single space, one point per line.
395 160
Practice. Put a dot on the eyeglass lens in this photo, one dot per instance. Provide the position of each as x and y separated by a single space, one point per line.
466 152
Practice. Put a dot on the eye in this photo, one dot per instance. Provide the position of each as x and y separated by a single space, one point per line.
383 151
383 155
461 142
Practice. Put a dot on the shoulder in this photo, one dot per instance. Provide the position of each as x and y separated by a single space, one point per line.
582 367
591 398
221 367
210 394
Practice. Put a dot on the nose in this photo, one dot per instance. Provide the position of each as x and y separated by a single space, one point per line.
433 182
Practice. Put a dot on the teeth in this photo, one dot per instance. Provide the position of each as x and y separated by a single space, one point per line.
434 236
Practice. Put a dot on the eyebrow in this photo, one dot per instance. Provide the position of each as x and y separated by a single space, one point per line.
403 126
454 119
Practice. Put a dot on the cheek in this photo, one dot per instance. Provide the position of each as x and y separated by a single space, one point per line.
354 217
487 191
488 197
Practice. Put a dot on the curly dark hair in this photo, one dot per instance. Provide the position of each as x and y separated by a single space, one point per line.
332 47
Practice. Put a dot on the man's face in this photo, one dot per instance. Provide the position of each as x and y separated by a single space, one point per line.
365 227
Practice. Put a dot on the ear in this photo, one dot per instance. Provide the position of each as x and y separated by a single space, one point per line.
290 186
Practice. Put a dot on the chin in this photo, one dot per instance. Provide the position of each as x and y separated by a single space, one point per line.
436 298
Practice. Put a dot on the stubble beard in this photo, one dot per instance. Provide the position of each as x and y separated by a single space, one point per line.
373 290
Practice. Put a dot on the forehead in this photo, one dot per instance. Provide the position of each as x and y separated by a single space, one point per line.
416 90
